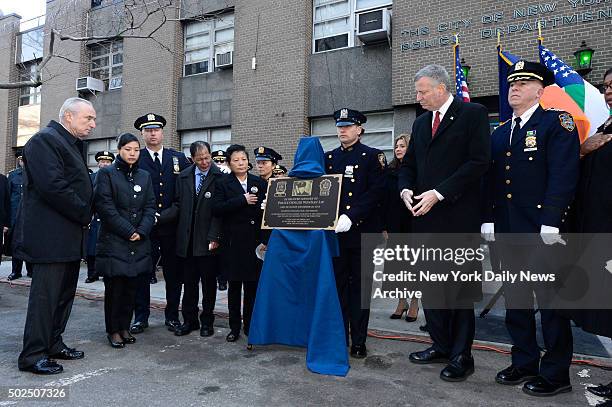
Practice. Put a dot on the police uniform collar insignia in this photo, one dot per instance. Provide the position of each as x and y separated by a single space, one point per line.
567 121
151 117
344 113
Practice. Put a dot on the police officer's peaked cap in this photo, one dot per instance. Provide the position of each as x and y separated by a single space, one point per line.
279 170
150 121
104 155
530 71
348 117
266 153
219 156
19 153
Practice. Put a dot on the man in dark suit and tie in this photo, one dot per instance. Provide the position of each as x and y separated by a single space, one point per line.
164 165
440 183
50 232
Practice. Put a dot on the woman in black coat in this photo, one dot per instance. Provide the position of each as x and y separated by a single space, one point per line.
397 218
126 206
238 202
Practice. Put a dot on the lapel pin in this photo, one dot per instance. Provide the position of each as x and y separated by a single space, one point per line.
452 118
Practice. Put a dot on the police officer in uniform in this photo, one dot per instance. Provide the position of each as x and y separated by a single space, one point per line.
164 165
15 182
104 159
363 169
220 159
279 171
532 180
266 159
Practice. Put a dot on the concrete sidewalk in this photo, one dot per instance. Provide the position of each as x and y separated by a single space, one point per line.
161 369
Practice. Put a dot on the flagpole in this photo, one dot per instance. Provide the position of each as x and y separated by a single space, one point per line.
540 38
499 39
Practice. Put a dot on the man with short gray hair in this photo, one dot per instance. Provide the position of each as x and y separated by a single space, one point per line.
440 184
50 232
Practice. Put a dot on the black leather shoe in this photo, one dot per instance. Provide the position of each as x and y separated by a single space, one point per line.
429 355
89 280
172 324
223 286
359 351
128 340
513 375
115 344
138 327
540 387
69 354
44 366
14 276
153 280
207 331
602 390
232 336
185 329
458 369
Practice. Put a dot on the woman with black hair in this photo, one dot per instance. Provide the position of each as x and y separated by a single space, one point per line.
238 202
126 206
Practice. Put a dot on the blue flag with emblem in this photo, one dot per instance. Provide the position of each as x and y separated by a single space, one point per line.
297 302
504 61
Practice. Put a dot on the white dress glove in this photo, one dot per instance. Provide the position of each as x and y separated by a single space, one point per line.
263 204
224 169
487 231
550 235
406 196
344 224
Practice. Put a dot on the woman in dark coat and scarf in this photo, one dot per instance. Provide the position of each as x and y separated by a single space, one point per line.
126 206
238 202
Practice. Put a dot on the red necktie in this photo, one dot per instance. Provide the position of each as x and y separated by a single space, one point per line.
436 124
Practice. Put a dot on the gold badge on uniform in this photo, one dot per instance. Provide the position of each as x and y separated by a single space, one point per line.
344 113
175 163
261 150
531 142
348 171
519 65
567 121
382 160
150 117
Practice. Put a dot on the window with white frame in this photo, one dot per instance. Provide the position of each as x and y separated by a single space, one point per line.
334 22
219 139
204 40
29 95
93 146
107 63
378 132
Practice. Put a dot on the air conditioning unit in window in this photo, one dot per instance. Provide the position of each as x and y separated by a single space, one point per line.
224 60
90 84
374 26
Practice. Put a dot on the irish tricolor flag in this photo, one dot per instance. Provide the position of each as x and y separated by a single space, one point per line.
588 99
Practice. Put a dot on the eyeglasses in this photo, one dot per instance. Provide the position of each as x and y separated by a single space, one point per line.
606 86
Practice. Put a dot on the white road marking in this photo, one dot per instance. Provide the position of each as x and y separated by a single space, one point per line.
80 377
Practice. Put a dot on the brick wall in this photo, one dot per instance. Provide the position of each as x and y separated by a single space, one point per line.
9 99
480 53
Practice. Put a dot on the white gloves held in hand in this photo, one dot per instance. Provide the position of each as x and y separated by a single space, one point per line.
487 231
344 224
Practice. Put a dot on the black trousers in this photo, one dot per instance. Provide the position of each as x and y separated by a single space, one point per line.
234 294
172 276
196 269
17 266
91 267
451 330
351 292
118 302
51 296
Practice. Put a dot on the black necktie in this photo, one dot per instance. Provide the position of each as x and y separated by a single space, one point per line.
516 129
157 162
202 178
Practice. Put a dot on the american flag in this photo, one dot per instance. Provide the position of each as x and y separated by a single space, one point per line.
461 83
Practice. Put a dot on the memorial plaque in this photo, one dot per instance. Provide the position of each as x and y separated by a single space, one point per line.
297 203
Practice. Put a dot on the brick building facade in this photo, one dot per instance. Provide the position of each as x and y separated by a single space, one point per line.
267 71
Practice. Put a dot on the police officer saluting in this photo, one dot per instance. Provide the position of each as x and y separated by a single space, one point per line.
220 159
530 184
266 159
104 159
164 165
362 168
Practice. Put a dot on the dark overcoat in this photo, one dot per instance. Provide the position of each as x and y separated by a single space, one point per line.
126 205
